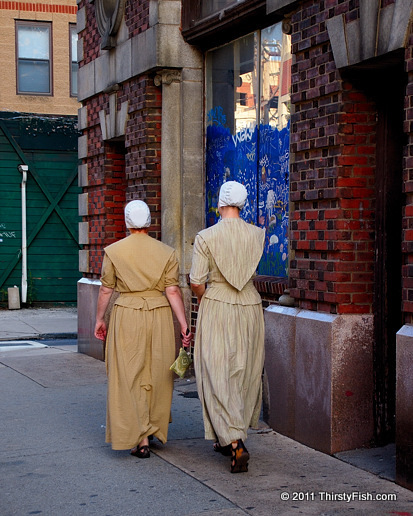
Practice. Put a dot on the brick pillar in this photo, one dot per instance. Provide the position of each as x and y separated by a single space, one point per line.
143 148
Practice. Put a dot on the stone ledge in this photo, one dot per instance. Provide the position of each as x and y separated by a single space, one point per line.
320 388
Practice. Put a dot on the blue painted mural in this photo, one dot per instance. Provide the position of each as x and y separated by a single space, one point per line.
230 158
259 159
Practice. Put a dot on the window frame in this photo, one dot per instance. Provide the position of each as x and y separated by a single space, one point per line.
223 26
72 27
30 23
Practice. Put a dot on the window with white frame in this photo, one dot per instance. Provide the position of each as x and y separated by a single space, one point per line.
73 60
34 62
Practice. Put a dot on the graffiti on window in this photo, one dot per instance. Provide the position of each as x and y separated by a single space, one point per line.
273 173
231 159
237 158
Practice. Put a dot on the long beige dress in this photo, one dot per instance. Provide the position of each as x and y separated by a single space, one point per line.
229 344
140 344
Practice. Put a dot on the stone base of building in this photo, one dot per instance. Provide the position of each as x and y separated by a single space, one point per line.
404 407
87 295
319 375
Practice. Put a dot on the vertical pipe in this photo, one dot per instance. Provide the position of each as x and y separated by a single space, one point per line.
23 169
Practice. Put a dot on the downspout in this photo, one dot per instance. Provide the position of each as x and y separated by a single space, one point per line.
23 169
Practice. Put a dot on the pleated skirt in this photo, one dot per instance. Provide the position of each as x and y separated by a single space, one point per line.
229 360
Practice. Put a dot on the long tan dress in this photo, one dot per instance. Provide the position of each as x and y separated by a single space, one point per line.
229 344
140 344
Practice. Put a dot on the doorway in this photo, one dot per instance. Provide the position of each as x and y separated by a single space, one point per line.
389 96
385 82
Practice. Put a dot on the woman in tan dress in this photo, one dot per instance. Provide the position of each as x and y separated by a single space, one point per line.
140 343
229 344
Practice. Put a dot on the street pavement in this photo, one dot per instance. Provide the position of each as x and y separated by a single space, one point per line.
54 460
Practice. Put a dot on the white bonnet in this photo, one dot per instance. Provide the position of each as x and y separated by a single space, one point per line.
137 215
232 193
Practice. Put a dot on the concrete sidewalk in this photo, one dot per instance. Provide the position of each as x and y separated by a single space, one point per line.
38 323
54 460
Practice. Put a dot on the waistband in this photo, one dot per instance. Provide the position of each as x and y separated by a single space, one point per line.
142 293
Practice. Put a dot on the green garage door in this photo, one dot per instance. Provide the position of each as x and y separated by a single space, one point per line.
46 146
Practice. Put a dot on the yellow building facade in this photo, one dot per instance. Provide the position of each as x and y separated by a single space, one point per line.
38 61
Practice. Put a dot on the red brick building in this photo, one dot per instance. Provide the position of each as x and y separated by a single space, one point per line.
308 104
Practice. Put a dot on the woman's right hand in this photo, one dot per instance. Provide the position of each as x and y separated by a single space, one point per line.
100 330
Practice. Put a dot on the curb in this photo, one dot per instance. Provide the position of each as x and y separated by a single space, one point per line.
42 336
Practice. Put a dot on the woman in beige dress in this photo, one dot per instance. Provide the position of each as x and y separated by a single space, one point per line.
140 343
229 344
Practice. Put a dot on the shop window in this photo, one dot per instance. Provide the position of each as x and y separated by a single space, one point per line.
248 134
73 60
33 48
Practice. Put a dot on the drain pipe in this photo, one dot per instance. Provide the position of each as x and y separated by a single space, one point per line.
23 169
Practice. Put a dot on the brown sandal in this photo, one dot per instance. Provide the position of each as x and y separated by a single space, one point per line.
143 452
240 458
224 450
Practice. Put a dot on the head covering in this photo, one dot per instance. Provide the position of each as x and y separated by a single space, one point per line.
137 215
232 193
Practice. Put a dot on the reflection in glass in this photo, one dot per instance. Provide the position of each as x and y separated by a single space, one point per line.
73 59
33 42
73 82
232 92
275 76
73 39
233 82
33 76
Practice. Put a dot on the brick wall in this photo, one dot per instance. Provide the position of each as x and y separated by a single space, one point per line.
106 187
120 171
137 16
332 176
106 202
143 146
194 314
91 36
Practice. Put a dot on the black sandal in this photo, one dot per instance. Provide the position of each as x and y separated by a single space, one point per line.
240 458
143 452
224 450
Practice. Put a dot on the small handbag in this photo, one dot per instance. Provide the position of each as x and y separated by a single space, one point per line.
182 362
